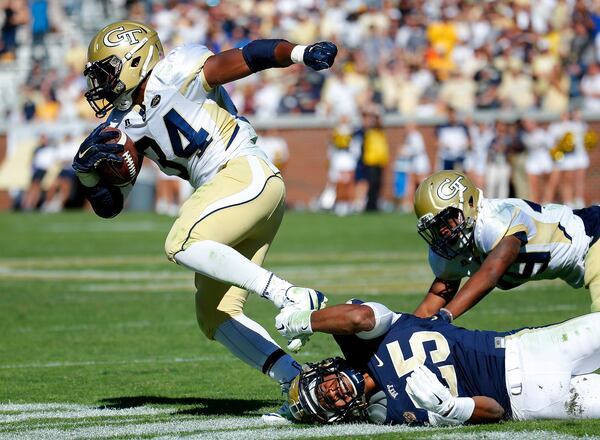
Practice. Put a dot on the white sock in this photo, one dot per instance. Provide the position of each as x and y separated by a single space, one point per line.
252 344
223 263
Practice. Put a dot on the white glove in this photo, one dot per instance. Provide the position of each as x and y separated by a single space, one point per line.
294 325
428 392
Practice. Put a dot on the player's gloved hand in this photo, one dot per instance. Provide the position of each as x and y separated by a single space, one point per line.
428 392
294 325
94 150
320 55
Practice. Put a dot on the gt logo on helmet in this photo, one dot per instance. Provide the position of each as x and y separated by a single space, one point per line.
447 190
124 35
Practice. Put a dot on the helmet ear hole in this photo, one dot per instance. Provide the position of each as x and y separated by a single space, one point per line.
471 201
136 61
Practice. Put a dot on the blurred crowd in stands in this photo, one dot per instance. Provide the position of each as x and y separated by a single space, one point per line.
415 58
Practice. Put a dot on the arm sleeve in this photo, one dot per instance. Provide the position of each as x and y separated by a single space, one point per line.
509 220
384 318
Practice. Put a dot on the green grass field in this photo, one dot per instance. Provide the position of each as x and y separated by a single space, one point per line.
99 336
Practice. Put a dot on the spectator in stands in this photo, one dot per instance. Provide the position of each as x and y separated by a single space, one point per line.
15 15
458 92
452 142
488 79
516 89
44 156
40 26
554 94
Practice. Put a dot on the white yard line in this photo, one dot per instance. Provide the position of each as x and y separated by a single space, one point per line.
82 413
138 429
273 259
96 362
226 428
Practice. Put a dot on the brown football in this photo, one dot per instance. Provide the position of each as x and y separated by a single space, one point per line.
124 173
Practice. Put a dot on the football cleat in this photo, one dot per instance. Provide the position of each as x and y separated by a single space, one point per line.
283 416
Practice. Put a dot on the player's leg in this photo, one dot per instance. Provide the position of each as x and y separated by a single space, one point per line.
219 310
242 197
592 275
547 359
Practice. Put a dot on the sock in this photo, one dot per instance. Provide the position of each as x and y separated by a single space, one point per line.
225 264
252 344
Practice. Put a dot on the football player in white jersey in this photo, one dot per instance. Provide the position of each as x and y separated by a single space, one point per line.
500 243
178 114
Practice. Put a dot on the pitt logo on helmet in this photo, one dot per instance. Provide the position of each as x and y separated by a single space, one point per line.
121 37
447 190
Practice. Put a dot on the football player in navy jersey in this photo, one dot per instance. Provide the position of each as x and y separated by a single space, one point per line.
403 369
500 243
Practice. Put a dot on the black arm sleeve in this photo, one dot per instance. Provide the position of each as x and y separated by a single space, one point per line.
107 201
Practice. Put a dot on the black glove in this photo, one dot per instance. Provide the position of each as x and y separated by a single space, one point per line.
94 150
320 55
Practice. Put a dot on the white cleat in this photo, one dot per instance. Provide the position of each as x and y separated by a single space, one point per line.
283 416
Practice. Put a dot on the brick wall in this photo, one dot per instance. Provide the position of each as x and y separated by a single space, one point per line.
306 172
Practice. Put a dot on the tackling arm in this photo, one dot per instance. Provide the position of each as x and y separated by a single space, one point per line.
367 321
440 293
258 55
485 279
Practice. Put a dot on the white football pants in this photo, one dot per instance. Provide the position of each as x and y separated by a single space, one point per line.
549 370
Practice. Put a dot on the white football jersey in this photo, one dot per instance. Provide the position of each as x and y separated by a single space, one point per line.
555 243
187 128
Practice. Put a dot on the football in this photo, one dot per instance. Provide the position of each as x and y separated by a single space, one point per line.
121 174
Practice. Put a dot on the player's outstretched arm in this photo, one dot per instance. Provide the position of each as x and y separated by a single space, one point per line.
440 293
367 321
258 55
487 277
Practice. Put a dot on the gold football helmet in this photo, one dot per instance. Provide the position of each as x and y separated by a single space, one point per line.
120 56
446 205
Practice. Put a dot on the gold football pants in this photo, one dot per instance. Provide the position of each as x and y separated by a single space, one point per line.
242 207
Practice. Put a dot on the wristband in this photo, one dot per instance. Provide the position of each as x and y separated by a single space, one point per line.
297 55
446 315
462 410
